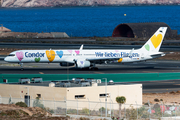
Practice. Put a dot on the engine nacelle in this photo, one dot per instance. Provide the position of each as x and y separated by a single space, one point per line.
65 64
82 64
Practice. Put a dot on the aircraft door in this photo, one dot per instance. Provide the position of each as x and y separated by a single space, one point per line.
27 100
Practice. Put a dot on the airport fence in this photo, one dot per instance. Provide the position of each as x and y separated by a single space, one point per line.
98 109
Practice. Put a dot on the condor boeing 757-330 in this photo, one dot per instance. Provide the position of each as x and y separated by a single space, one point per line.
88 58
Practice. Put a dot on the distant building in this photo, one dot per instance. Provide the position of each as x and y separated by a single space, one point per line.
3 29
59 35
141 30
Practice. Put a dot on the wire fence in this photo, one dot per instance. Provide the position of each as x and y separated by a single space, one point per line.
92 108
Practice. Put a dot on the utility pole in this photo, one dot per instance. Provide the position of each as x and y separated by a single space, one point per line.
106 96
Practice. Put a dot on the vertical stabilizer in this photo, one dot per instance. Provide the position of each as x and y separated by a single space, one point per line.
154 43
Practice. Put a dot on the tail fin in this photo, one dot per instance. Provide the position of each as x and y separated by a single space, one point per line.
154 43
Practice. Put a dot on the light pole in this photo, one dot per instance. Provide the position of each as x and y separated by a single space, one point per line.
28 95
101 107
89 106
106 95
67 71
137 109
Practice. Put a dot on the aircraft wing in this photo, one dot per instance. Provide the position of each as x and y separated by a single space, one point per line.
101 60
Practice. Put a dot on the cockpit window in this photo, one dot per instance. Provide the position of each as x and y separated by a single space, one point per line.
11 55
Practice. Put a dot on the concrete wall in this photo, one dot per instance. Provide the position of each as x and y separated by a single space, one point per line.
48 93
133 94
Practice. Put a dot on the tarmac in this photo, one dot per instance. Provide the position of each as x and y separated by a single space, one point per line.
152 66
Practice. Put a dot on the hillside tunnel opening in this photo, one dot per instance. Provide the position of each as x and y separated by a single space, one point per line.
123 30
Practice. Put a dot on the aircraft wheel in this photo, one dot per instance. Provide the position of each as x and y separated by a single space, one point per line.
87 68
94 68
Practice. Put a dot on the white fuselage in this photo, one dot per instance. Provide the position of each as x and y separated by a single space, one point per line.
57 56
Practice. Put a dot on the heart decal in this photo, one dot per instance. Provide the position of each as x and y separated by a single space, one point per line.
120 60
70 51
37 59
156 40
81 62
117 50
50 55
147 47
77 51
19 55
59 53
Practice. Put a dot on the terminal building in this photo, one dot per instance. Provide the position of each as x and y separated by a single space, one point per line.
94 93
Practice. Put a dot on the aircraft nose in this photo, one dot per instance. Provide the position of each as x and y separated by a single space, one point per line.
6 59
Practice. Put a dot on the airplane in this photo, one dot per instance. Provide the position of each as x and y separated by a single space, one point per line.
88 58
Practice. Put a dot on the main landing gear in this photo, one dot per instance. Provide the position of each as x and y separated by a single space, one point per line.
21 65
92 67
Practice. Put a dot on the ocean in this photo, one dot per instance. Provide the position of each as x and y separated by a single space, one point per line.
86 21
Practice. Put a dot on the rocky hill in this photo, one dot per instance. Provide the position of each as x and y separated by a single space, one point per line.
52 3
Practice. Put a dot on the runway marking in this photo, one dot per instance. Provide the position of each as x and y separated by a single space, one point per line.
41 73
149 72
99 72
167 82
161 82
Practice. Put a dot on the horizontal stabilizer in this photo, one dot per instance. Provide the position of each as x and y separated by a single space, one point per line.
158 55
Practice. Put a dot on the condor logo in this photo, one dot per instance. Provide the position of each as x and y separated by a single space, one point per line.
34 54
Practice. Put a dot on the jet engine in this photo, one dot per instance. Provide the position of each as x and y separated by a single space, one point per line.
65 64
82 64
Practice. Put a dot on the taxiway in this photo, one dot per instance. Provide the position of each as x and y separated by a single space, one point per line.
152 66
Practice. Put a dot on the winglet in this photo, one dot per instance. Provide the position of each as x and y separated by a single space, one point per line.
81 48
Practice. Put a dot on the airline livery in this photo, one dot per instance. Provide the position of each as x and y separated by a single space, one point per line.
88 58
